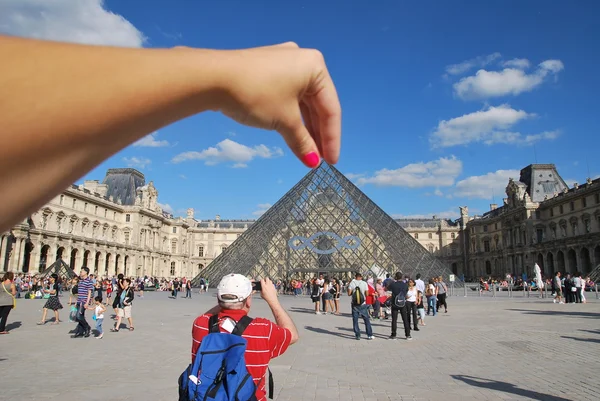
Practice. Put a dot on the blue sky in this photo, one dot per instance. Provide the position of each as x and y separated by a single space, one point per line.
442 101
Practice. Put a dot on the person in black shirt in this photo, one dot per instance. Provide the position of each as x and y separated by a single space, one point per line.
399 287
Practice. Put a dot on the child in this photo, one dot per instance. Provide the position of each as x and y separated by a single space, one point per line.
99 310
109 291
420 308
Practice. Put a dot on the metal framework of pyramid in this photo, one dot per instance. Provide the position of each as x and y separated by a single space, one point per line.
324 224
60 268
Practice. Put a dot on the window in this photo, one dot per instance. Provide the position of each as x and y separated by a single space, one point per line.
114 215
537 214
127 218
452 235
584 202
597 198
485 228
430 235
560 209
172 268
85 207
74 203
201 251
430 246
453 251
174 246
126 235
486 246
416 235
174 230
495 226
540 235
105 212
96 210
551 212
62 199
572 206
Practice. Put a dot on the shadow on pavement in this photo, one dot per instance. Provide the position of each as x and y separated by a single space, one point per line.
557 313
597 331
506 388
362 330
13 325
587 340
331 333
311 311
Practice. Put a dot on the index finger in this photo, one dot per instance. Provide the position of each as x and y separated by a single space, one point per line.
329 115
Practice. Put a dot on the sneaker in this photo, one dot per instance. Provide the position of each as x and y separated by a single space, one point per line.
357 338
370 338
561 302
554 301
318 313
100 336
409 338
416 329
391 337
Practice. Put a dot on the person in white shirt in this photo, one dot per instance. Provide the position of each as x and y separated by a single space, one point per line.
420 284
362 309
411 305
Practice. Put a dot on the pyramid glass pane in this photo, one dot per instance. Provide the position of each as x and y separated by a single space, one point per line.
324 224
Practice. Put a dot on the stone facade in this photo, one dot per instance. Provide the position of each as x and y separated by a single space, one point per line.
116 226
542 221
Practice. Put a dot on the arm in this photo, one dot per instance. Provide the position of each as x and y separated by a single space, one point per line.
89 297
13 289
269 294
89 102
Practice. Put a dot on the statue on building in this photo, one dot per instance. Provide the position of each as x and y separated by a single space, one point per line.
190 213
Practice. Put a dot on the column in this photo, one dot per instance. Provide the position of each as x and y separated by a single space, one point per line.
16 257
34 258
3 244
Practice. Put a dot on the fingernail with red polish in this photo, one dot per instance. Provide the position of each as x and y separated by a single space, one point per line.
311 159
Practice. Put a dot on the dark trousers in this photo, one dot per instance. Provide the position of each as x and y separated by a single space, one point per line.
4 311
577 295
568 295
188 293
442 301
411 314
82 324
362 311
405 321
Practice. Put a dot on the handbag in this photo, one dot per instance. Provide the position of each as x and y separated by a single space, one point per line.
11 295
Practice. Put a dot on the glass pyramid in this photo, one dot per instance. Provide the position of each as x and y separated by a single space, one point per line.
324 224
59 267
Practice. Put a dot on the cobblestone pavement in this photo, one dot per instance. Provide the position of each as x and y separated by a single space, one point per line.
484 349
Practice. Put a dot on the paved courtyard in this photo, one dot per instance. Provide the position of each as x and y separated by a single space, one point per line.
484 349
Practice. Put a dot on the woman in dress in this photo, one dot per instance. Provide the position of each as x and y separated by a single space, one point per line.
7 299
53 302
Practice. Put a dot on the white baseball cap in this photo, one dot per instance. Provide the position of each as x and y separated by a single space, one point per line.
236 285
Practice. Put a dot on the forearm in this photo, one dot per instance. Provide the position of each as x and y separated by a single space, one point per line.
283 319
65 108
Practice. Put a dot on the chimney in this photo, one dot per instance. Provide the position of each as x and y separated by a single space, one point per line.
493 206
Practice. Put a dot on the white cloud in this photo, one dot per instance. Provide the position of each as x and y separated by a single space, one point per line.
520 63
137 162
448 214
81 21
485 186
477 62
261 209
166 207
490 126
150 141
352 176
182 176
230 151
510 81
437 192
441 173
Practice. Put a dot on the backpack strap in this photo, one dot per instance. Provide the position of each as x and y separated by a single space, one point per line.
213 324
243 323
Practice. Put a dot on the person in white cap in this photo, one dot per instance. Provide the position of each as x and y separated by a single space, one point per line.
266 340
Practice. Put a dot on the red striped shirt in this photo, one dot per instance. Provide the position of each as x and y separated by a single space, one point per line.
265 339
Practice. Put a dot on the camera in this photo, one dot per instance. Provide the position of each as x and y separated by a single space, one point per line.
256 286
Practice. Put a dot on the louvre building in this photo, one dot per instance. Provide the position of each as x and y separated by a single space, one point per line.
323 224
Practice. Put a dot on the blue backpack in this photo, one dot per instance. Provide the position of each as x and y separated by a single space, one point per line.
219 371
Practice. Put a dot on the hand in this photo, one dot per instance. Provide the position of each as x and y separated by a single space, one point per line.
276 88
268 291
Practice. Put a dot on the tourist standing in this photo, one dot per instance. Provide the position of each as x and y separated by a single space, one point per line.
441 294
7 299
360 309
557 289
124 311
84 295
53 302
420 284
399 287
99 310
411 305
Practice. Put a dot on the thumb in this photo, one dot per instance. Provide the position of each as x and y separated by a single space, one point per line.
300 141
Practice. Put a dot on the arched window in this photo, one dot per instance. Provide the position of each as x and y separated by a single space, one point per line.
430 235
416 235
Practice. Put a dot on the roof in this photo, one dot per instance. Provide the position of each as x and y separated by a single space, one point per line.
123 184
